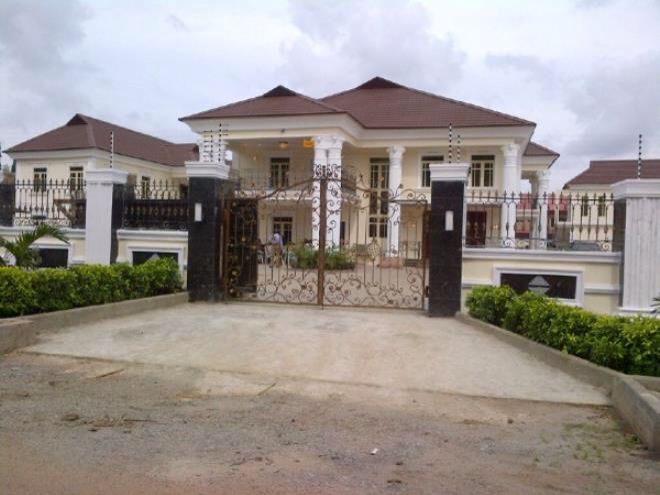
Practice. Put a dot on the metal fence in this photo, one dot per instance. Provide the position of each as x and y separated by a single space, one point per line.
573 222
31 202
157 205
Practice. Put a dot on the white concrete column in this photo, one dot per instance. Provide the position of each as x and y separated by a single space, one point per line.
641 248
98 213
512 162
334 191
321 145
394 207
543 192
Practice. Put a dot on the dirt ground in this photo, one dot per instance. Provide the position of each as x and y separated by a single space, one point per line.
79 426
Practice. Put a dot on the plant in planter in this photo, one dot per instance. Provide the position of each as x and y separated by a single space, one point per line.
21 249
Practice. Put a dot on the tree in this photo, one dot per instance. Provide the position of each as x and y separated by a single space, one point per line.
21 248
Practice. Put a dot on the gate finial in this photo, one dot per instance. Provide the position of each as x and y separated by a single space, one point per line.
112 148
450 146
639 158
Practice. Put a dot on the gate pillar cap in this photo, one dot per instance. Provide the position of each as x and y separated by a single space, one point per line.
636 188
106 176
449 172
209 170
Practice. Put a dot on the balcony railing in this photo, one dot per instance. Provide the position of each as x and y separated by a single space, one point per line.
572 222
29 202
158 205
265 181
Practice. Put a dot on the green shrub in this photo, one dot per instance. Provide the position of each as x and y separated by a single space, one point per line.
307 258
488 303
16 290
630 345
54 289
641 338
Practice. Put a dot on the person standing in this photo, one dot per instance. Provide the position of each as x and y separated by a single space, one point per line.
277 249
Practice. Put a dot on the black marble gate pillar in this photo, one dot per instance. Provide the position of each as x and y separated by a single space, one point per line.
446 238
204 236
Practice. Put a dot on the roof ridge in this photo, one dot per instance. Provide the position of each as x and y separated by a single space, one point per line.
235 103
8 150
439 97
151 136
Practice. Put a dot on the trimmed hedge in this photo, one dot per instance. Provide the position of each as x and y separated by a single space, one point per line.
627 344
54 289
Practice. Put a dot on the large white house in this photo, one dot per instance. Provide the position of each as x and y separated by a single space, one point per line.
388 134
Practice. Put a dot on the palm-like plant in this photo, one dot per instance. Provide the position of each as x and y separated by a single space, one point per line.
21 247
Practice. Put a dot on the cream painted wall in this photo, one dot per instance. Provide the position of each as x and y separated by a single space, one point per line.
58 169
598 273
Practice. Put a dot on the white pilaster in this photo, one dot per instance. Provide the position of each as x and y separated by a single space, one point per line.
641 251
512 162
394 207
334 198
98 213
321 145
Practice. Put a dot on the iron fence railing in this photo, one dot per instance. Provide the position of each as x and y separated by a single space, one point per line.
263 180
160 205
31 202
574 222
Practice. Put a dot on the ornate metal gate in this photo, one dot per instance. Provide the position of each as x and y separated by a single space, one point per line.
325 239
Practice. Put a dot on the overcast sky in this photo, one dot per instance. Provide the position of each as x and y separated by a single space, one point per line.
586 71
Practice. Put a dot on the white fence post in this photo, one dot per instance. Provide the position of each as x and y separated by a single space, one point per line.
100 222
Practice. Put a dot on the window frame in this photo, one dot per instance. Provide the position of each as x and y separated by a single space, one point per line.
280 178
602 206
76 177
379 175
39 179
425 160
482 166
145 186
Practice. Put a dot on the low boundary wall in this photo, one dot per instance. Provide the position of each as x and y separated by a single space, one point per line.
23 331
632 396
597 274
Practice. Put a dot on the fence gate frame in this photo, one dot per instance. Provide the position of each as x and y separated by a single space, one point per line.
244 261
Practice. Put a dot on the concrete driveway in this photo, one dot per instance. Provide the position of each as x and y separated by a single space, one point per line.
397 350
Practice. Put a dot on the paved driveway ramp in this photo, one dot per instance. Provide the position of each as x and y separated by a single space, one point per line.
393 349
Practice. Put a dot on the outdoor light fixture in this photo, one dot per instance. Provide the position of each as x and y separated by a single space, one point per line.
198 212
449 220
284 145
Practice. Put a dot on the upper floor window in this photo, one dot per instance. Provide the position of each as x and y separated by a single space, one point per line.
75 178
426 171
279 172
40 179
482 171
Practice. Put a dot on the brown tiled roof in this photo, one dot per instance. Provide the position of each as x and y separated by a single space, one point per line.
377 104
383 104
608 172
83 132
535 149
279 101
